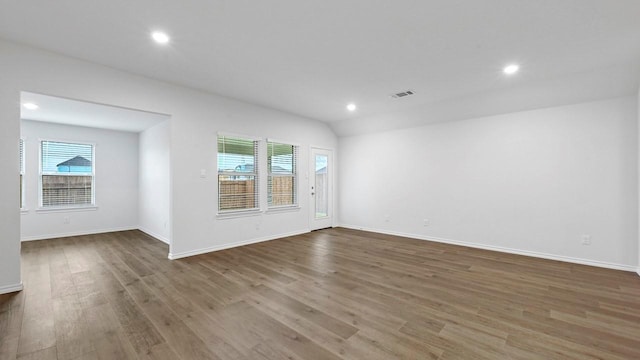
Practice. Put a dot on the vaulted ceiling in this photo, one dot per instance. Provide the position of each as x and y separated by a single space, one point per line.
311 58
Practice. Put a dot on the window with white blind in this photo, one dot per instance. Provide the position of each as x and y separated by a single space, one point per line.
67 174
21 173
238 182
282 168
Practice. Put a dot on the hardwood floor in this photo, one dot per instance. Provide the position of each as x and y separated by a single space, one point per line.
330 294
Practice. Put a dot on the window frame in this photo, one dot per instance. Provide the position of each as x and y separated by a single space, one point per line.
294 173
23 167
41 173
257 144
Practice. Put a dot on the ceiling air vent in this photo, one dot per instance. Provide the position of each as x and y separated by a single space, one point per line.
402 94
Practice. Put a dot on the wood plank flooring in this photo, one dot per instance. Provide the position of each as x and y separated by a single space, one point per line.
330 294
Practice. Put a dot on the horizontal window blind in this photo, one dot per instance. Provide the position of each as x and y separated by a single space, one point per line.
21 156
67 174
59 157
21 173
238 182
282 169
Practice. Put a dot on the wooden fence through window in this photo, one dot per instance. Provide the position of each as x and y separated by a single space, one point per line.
240 194
66 190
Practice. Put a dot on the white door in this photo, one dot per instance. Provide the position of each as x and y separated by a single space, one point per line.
321 174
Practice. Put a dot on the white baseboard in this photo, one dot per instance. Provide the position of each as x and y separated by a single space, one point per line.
75 233
154 235
638 271
10 288
568 259
175 256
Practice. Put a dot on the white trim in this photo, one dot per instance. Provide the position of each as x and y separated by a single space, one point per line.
76 233
155 236
282 209
597 263
638 271
11 288
63 209
234 244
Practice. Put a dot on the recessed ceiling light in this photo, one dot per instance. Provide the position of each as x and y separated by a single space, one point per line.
511 69
30 106
160 37
351 107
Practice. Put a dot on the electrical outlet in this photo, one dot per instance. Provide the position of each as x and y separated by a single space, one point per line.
586 239
425 222
386 218
67 220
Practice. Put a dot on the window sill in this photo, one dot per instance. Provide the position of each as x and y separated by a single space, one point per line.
24 211
63 209
282 209
238 214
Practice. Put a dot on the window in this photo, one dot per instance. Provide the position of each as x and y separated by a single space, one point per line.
21 173
237 174
66 174
282 167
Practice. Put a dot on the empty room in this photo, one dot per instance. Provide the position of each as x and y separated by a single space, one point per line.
320 179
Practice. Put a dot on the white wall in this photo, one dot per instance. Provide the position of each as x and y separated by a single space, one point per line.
532 181
638 114
154 198
196 117
9 183
194 199
116 182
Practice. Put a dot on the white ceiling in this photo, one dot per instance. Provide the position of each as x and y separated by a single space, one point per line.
80 113
313 57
